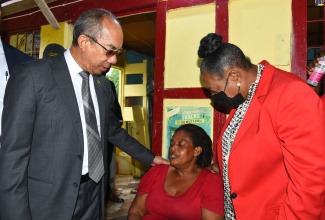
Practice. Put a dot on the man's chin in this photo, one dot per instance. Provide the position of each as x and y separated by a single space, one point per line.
105 71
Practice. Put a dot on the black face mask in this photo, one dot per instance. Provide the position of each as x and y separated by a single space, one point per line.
222 99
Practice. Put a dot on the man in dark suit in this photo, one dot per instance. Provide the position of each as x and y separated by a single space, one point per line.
46 169
9 57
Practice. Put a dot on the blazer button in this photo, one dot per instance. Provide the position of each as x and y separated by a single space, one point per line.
79 157
233 195
75 185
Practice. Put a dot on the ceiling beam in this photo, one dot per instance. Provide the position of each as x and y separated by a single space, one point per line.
48 14
20 6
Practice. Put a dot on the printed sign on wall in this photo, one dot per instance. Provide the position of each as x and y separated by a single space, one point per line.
177 116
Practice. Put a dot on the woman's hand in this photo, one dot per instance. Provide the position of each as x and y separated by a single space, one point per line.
214 168
309 69
311 66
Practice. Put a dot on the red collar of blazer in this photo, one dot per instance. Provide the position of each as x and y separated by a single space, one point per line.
257 101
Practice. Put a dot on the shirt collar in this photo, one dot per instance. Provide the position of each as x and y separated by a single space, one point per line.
73 66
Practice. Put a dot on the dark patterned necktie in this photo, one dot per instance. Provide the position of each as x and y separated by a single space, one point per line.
95 153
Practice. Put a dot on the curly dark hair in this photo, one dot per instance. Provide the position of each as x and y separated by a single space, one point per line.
199 138
217 55
90 23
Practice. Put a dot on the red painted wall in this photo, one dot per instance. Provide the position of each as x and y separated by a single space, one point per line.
299 38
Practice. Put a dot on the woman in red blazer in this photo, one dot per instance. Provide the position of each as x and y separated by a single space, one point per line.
271 152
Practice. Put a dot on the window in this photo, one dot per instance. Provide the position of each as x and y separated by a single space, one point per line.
315 34
315 29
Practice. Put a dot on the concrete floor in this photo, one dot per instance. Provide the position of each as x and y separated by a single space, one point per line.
125 188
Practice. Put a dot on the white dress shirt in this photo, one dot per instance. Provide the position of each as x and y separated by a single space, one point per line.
74 70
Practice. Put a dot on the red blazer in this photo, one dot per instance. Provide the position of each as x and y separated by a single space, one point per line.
277 161
323 98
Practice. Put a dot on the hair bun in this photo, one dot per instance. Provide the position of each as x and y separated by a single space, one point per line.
209 44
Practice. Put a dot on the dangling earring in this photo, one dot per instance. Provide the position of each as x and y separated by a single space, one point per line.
238 84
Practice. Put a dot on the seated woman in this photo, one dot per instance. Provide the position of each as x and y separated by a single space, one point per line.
186 189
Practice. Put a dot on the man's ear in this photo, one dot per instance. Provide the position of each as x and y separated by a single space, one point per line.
83 41
197 151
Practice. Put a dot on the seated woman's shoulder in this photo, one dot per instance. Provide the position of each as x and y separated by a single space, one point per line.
212 176
159 167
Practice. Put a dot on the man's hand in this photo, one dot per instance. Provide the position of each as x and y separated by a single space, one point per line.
214 168
159 160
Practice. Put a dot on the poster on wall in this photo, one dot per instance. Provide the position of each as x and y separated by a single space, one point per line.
30 44
37 43
177 116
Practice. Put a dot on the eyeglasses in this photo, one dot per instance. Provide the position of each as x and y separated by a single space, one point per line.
109 53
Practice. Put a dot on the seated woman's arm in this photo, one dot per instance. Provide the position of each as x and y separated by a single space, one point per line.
212 198
138 207
208 215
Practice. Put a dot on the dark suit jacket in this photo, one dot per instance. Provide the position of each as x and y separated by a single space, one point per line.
42 147
14 56
118 114
118 110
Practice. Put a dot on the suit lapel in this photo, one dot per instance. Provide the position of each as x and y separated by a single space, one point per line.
256 103
250 116
101 104
63 80
219 150
99 88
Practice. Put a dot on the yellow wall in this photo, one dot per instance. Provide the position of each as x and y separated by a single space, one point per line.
19 41
184 29
14 40
62 36
262 29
